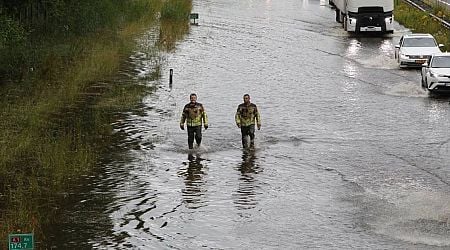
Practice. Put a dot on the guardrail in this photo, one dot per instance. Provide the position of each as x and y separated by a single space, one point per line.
442 21
440 2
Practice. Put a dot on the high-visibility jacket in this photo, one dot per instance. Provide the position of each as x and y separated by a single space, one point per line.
194 114
246 115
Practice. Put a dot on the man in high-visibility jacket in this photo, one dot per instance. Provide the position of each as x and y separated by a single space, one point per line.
246 116
194 115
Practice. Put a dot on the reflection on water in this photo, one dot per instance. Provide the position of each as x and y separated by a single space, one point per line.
194 184
435 113
350 69
247 166
386 47
353 48
166 198
245 197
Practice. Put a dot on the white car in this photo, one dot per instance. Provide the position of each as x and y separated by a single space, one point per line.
413 50
436 73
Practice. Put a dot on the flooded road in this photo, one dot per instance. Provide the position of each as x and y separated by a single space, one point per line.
352 152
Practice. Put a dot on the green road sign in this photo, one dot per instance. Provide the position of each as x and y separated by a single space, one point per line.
21 241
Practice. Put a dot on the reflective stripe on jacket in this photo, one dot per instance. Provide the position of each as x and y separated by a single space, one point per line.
193 115
247 114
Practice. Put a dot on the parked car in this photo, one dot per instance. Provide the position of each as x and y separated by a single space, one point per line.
413 50
436 73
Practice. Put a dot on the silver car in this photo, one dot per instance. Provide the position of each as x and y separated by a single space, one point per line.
414 50
436 73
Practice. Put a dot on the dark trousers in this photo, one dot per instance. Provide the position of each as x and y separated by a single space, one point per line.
248 131
194 132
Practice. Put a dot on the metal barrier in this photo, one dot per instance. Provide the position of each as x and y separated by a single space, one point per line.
442 21
440 2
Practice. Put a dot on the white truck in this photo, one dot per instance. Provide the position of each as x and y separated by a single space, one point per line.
365 15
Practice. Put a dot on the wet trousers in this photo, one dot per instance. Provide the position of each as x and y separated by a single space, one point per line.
194 132
248 131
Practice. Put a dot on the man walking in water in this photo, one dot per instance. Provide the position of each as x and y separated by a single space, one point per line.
246 115
194 115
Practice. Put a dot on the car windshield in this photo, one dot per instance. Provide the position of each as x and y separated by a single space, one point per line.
441 62
419 42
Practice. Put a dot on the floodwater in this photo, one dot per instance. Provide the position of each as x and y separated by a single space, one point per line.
352 153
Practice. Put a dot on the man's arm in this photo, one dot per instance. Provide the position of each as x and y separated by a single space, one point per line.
258 118
183 118
204 118
237 118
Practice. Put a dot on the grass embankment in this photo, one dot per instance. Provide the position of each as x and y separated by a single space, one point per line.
421 22
57 100
439 9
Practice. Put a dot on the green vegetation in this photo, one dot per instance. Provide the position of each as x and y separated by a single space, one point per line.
173 23
439 9
420 22
177 10
59 93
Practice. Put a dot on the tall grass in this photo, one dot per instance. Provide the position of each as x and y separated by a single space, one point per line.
56 104
174 25
176 10
54 123
420 22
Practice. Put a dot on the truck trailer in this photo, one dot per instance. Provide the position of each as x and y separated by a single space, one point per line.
365 15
